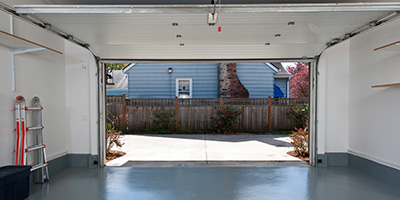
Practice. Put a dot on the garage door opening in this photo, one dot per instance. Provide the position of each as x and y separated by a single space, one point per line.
207 113
241 32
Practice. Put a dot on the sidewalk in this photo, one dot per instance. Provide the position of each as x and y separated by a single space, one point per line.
244 147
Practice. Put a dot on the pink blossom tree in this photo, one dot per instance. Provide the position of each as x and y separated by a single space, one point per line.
299 83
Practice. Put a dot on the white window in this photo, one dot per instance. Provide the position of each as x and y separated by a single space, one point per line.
184 87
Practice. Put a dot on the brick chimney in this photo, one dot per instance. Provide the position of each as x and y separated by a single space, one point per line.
229 83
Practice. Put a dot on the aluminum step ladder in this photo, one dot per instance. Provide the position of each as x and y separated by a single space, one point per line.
40 167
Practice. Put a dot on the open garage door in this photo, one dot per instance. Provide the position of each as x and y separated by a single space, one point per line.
209 33
153 32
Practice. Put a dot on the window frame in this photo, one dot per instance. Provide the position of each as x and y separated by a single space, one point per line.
190 86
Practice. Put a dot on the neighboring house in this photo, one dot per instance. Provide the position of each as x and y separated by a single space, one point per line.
205 80
264 79
282 80
196 80
117 83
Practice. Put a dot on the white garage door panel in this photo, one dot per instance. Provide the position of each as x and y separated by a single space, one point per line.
208 52
244 34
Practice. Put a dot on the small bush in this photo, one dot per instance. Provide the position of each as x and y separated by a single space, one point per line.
164 124
113 138
300 141
181 130
226 119
162 119
116 122
299 113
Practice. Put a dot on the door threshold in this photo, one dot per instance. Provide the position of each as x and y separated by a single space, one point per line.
215 164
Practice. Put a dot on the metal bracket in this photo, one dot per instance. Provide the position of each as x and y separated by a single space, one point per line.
17 52
27 50
212 19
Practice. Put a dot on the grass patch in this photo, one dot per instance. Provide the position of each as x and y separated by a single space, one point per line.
278 133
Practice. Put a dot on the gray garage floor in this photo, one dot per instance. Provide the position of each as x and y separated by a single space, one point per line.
204 148
214 183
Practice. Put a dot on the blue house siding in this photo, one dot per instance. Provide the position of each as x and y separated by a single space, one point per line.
282 84
258 79
116 92
153 80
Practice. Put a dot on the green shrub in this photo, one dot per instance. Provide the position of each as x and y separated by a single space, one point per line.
164 124
163 120
299 113
181 130
300 141
226 119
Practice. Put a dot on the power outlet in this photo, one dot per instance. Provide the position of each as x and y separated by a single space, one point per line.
93 161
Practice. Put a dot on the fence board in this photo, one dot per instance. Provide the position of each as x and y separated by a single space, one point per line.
198 114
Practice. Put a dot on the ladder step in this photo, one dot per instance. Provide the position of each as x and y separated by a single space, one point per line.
38 166
36 147
34 128
34 108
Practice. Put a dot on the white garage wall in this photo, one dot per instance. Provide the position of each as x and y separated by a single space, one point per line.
81 99
43 76
374 113
333 99
5 24
352 116
6 113
67 91
38 74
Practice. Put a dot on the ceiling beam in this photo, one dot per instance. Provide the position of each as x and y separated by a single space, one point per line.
183 9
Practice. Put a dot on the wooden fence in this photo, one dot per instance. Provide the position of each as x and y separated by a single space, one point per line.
198 114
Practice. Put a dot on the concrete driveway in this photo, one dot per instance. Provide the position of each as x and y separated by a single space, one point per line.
204 148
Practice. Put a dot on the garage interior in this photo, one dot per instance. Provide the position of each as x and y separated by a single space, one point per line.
353 47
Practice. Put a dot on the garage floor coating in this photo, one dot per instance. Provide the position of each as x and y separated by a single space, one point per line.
214 183
204 148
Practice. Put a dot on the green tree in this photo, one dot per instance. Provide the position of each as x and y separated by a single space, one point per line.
115 66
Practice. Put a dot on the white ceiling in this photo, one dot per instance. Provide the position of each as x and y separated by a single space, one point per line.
243 35
172 2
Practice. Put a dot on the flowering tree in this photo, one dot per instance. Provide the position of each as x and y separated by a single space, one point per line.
299 83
